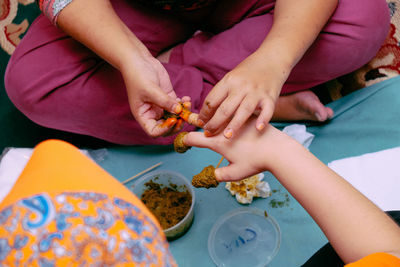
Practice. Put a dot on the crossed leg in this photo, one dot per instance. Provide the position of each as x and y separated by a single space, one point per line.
58 83
67 87
350 39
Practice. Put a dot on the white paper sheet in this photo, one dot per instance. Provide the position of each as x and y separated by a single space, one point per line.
376 175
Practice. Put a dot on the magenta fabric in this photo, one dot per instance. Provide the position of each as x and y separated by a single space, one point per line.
59 83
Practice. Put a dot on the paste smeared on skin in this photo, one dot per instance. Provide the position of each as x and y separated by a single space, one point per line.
206 178
177 120
179 146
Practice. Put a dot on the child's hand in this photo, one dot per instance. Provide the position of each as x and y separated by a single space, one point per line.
249 153
253 86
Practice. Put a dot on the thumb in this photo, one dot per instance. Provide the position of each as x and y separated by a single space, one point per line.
197 139
232 172
163 100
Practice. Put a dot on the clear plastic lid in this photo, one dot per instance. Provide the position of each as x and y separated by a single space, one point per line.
244 237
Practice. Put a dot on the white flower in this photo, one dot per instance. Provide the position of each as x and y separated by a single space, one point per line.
246 189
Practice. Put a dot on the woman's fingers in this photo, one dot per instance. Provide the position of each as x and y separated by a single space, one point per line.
242 114
211 103
164 101
266 112
153 127
223 114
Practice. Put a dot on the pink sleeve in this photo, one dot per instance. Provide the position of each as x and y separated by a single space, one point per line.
51 8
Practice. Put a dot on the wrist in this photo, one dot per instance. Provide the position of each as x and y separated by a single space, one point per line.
132 60
283 49
283 151
130 52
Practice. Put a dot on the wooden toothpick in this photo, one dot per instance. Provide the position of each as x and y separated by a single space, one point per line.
220 161
142 172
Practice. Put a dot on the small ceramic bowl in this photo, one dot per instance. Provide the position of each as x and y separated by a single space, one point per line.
166 178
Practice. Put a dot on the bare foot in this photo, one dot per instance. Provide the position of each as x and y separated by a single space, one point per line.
304 105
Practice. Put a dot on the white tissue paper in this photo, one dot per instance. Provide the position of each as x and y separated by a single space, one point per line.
13 161
376 175
246 189
300 134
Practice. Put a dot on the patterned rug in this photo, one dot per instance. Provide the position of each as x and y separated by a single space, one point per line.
15 18
385 65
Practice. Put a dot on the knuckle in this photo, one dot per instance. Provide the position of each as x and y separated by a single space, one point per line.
219 143
211 127
204 116
232 78
248 107
235 125
224 111
229 77
209 105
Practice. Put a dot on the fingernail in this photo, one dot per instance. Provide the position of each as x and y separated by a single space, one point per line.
177 108
207 133
201 123
260 126
228 133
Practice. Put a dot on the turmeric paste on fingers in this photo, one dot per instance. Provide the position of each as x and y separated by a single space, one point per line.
206 178
179 146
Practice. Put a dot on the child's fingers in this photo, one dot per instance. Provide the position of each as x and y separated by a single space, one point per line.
194 120
197 139
223 113
242 114
213 100
232 172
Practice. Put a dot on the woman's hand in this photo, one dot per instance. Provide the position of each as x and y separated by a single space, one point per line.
149 93
253 86
147 82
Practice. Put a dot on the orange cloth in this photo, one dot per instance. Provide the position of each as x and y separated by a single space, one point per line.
56 166
64 209
377 260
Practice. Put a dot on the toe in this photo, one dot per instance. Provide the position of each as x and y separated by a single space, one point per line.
330 113
303 105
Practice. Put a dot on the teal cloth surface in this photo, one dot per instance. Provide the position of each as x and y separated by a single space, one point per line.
365 121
